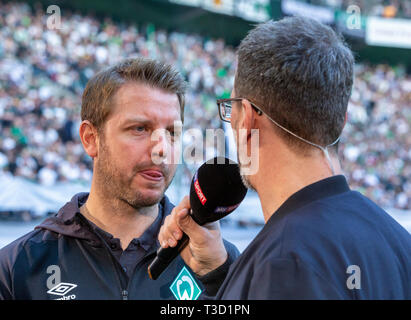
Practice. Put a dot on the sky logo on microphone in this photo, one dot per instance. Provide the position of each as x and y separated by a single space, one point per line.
198 190
185 287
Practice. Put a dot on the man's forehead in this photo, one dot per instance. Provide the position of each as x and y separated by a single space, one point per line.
145 101
144 92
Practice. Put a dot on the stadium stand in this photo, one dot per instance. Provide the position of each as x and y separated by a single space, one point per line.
43 73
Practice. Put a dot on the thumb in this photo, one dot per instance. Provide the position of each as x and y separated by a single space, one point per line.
189 226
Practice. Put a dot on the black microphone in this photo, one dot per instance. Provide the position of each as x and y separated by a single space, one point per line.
216 191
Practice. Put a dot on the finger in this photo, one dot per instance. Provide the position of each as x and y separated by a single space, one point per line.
177 234
172 242
170 232
184 204
174 233
162 238
190 227
164 234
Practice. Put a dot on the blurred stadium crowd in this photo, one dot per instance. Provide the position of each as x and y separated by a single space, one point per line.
43 73
380 8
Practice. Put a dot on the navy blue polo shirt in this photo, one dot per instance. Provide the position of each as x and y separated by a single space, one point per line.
137 248
324 242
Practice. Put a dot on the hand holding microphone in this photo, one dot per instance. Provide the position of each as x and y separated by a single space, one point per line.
205 251
216 190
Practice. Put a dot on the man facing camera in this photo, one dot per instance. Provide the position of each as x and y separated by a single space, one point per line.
100 244
321 240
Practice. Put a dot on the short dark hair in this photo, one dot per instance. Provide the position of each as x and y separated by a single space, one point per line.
97 100
300 72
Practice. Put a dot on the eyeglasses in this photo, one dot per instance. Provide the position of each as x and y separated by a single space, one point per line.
224 109
225 106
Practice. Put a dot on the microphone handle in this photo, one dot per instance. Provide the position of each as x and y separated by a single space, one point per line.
165 256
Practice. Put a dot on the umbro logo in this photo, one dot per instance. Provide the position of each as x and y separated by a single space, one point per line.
62 288
56 287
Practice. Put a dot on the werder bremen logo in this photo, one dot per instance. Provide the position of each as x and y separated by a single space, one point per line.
185 287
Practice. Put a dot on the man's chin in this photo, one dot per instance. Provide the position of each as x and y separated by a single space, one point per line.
154 196
142 200
145 194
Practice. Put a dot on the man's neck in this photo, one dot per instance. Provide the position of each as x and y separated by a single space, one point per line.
275 183
118 218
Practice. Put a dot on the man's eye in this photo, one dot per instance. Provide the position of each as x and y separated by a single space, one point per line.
140 129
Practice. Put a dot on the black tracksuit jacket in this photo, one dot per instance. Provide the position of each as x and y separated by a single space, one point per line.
68 257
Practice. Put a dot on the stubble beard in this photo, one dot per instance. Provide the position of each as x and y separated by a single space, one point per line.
244 177
117 187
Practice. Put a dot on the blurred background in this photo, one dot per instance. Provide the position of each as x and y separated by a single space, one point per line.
50 49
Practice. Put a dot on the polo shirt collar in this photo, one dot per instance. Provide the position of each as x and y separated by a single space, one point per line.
71 210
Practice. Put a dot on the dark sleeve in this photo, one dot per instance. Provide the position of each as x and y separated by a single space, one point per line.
288 279
212 281
5 276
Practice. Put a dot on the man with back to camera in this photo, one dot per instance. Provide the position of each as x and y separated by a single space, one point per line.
100 244
321 240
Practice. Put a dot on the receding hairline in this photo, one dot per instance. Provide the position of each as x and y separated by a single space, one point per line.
140 83
101 89
114 103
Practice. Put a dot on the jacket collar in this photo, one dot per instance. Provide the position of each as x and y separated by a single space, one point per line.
324 188
66 222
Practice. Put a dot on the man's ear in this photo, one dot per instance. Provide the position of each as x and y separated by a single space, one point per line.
89 138
248 118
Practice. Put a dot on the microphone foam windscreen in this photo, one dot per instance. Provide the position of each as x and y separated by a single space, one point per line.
216 190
